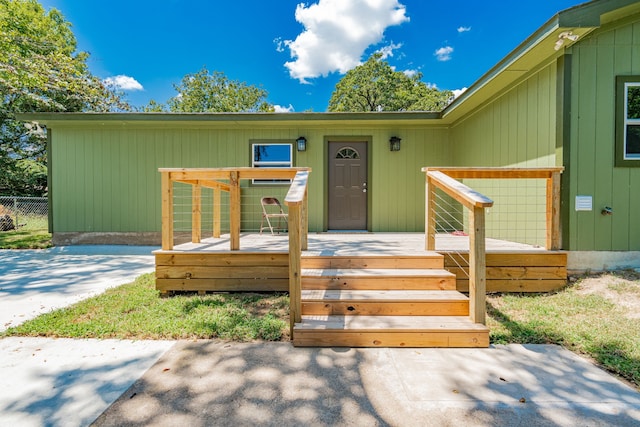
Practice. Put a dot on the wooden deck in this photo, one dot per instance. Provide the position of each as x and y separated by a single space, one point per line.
361 289
261 263
366 289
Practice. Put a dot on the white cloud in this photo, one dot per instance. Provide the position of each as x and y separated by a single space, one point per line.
123 83
279 44
444 53
464 29
336 34
281 109
458 92
410 73
387 51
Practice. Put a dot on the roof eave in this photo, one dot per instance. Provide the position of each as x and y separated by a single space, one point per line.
56 119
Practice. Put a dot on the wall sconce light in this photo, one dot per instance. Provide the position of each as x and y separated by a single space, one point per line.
302 143
394 143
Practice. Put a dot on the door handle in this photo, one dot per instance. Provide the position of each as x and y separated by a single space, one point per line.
364 190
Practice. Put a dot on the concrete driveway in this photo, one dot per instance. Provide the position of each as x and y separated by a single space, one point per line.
63 382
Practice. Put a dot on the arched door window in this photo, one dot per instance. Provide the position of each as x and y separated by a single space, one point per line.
348 153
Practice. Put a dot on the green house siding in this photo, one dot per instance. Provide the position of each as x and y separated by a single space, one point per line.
596 61
105 177
516 129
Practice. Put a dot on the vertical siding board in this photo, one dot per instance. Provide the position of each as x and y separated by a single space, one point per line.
586 144
530 157
603 120
572 160
620 192
521 130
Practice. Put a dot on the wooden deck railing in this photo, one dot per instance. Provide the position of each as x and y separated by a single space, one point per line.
445 178
296 200
476 204
550 174
218 179
228 179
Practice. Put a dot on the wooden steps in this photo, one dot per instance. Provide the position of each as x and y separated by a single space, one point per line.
384 301
377 278
390 331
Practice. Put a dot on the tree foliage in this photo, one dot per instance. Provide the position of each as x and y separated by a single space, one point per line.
40 71
376 86
213 93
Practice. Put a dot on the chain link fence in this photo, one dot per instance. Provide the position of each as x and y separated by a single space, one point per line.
31 213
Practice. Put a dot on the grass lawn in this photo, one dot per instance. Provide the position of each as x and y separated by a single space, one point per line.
25 238
598 317
136 311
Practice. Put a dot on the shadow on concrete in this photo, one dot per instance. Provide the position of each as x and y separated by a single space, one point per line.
273 384
229 384
64 382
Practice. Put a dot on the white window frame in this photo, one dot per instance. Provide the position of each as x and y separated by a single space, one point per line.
628 121
273 164
622 121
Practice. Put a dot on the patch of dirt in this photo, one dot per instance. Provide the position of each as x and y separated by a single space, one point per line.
621 288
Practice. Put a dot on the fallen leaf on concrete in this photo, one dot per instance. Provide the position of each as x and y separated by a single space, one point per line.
523 400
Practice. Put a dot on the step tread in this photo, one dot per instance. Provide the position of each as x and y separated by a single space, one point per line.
381 295
389 323
375 272
362 254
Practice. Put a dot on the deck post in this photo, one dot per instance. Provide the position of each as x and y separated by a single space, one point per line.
477 266
295 274
430 215
217 200
167 211
553 212
235 215
304 237
196 213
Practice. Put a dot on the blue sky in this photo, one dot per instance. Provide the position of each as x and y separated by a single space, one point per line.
296 51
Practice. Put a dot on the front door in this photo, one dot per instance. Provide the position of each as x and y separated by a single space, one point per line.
347 186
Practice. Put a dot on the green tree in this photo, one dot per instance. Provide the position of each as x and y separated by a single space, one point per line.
153 107
214 92
40 71
375 86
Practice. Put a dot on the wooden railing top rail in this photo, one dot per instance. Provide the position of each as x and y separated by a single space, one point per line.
298 188
463 194
496 172
190 174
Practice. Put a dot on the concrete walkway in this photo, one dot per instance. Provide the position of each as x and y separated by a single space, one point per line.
33 282
74 382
